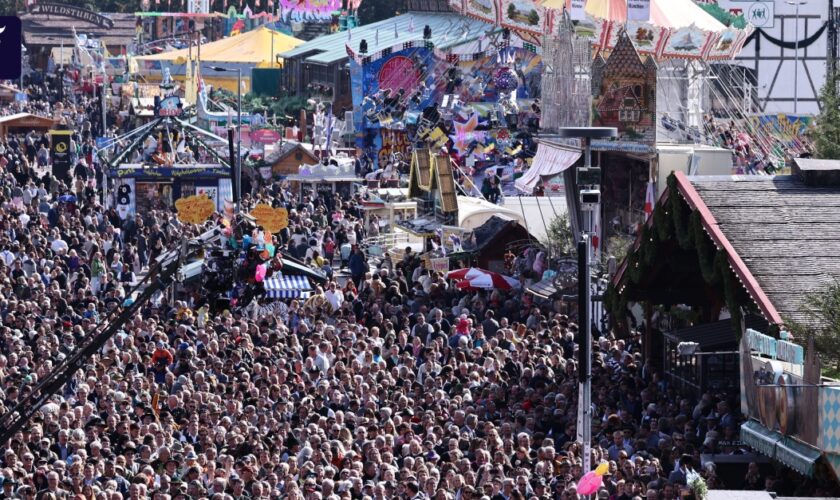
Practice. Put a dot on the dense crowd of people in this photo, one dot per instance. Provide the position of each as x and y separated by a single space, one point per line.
390 384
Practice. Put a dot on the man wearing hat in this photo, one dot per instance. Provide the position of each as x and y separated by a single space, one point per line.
9 485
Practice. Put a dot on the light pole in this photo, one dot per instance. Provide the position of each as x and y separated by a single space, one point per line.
22 64
237 181
589 184
796 3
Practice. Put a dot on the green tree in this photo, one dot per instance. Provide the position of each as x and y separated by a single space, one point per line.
826 134
511 13
533 18
371 11
559 238
823 306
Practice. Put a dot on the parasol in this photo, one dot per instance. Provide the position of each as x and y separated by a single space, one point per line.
476 278
675 29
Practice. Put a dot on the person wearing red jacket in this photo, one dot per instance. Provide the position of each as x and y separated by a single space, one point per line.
163 355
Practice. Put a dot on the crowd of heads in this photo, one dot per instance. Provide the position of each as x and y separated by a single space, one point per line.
392 383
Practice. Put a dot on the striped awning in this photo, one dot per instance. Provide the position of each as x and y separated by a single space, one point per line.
796 455
760 438
287 287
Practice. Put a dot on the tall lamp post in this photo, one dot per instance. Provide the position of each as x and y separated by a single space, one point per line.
237 181
589 183
22 64
796 3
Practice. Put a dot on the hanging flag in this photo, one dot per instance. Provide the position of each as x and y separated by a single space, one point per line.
596 231
411 24
349 35
578 10
638 10
396 33
649 200
376 40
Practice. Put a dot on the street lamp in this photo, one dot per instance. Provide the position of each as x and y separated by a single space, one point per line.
796 3
589 183
238 166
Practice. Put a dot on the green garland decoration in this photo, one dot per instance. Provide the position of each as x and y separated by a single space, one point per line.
635 270
679 215
706 251
663 223
675 219
648 245
730 293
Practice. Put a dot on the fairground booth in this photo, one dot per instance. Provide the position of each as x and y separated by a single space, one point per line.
719 291
21 123
244 52
652 70
168 159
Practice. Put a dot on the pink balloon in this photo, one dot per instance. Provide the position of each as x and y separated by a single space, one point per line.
260 274
589 483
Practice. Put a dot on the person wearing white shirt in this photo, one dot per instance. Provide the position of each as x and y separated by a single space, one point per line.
334 296
7 256
322 360
58 245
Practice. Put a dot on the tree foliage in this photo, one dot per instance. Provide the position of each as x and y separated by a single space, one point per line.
371 11
826 134
559 238
824 308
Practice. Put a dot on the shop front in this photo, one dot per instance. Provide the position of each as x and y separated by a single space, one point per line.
138 189
791 409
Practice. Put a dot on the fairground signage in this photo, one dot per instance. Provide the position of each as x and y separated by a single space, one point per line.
65 10
168 106
776 349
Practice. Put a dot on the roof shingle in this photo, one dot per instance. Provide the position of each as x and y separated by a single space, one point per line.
787 234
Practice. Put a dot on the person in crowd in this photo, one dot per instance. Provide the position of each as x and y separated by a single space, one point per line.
391 382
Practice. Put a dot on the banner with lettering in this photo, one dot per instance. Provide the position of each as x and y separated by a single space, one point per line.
578 10
638 10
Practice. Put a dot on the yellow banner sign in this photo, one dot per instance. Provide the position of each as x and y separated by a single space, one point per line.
271 219
195 209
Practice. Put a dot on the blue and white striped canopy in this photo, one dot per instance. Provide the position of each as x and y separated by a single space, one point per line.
287 287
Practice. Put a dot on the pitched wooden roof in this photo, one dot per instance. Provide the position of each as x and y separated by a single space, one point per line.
287 149
624 60
786 235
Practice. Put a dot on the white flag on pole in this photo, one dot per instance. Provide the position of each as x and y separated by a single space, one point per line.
638 10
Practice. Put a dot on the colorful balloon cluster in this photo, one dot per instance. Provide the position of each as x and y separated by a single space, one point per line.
592 480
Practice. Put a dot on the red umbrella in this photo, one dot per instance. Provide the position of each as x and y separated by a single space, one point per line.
476 278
